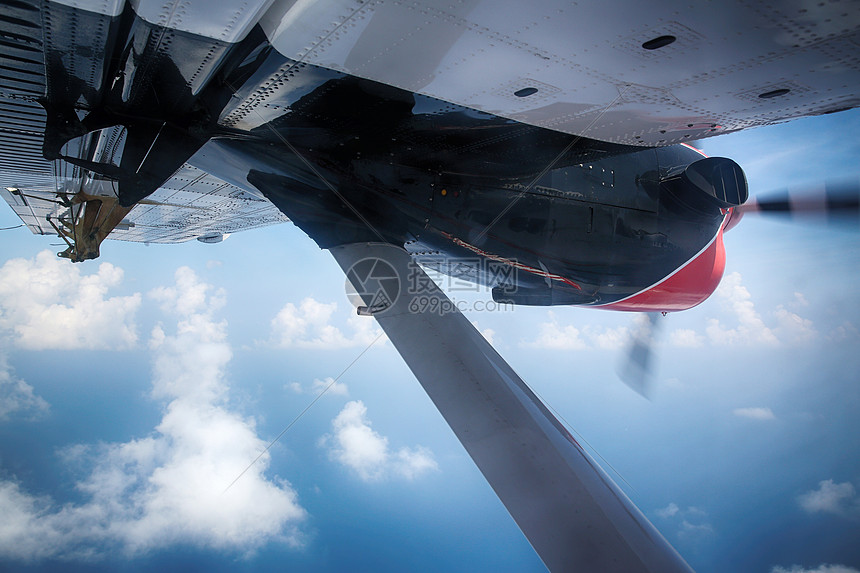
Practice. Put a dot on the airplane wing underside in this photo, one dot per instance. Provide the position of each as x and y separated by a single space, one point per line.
639 73
649 74
192 204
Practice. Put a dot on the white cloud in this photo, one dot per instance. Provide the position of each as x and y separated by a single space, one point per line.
488 333
749 328
792 328
739 324
757 413
167 488
668 511
47 303
327 385
412 462
359 447
686 338
309 326
799 301
689 529
16 396
744 325
608 338
693 520
830 497
823 568
673 509
842 332
553 335
188 295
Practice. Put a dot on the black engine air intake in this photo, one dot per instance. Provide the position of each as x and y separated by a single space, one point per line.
707 185
721 179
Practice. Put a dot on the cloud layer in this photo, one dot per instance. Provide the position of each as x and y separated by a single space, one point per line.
17 398
831 497
691 522
755 413
739 323
167 488
820 569
46 303
309 325
327 385
553 335
742 324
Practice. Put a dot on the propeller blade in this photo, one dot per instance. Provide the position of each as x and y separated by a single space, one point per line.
835 202
636 370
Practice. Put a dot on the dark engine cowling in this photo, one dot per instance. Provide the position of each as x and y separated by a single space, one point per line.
709 185
709 182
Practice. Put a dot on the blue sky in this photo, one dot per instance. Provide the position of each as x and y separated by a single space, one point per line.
135 388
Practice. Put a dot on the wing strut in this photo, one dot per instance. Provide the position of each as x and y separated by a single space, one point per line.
573 514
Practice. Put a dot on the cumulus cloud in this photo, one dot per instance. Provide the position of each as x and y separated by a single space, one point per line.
691 521
16 396
792 328
48 303
740 323
844 331
669 511
608 338
309 325
686 338
327 385
823 568
167 488
359 447
831 497
554 335
743 324
188 296
689 529
799 301
488 333
749 327
757 413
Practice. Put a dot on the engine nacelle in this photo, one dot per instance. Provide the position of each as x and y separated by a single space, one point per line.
691 284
